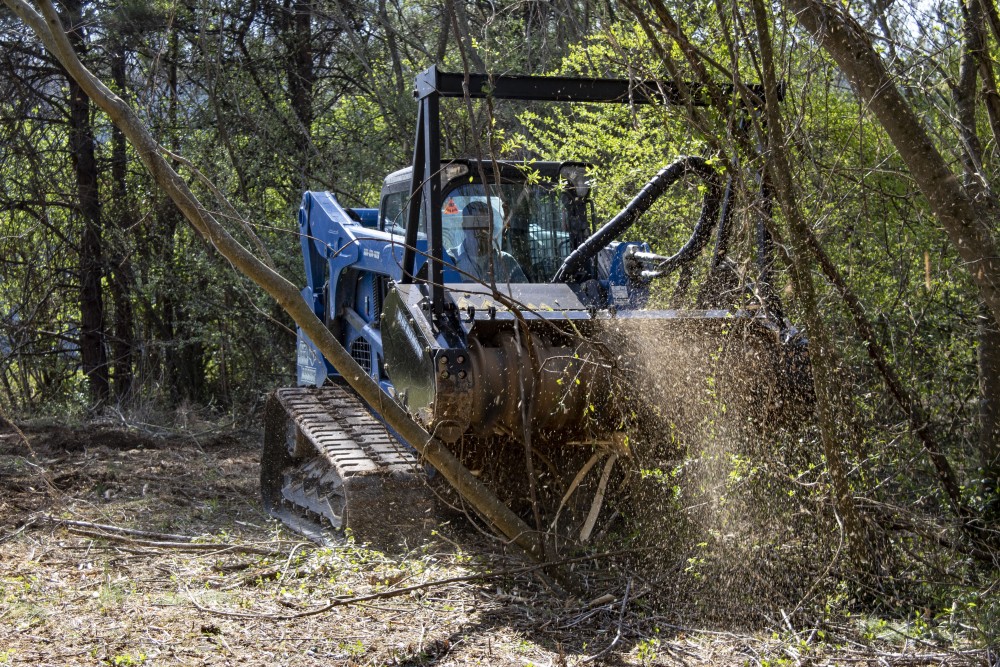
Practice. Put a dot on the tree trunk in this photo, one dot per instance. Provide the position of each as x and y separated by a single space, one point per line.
989 409
973 54
821 354
285 293
122 281
301 79
391 38
93 355
965 99
462 35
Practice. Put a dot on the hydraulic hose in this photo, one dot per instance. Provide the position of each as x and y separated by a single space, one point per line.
692 164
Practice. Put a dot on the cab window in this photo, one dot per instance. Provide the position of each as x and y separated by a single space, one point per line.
393 217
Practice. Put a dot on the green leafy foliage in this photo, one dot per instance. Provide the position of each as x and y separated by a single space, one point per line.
266 107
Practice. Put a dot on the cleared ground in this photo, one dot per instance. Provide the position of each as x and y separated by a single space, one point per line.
121 548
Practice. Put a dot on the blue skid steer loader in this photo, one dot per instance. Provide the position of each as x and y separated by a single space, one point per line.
483 297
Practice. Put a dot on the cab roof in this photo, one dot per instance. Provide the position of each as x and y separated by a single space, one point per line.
512 170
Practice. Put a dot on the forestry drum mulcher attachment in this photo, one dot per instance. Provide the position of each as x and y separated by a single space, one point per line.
483 298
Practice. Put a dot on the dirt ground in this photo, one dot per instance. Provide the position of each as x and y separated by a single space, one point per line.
121 548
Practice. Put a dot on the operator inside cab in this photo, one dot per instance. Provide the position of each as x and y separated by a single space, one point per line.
478 253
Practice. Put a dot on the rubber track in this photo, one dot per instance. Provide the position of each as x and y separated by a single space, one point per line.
336 422
387 500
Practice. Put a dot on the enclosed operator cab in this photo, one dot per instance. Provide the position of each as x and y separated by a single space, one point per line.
537 213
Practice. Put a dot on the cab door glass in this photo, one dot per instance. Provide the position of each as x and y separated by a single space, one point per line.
393 218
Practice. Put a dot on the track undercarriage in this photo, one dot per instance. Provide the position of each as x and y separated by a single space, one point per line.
329 466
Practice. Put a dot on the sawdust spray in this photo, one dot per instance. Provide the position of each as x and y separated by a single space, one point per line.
711 493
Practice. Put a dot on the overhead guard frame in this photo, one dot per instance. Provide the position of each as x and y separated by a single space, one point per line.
433 84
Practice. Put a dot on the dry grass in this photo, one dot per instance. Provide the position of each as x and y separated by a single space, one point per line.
216 582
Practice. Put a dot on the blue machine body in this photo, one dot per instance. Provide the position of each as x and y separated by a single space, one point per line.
353 256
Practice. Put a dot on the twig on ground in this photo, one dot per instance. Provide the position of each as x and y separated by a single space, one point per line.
42 472
291 554
618 635
577 620
7 420
170 537
181 546
396 592
26 525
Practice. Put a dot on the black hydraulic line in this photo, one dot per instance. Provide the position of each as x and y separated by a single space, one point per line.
657 185
725 227
701 234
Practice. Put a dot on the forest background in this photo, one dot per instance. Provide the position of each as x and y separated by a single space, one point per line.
881 156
